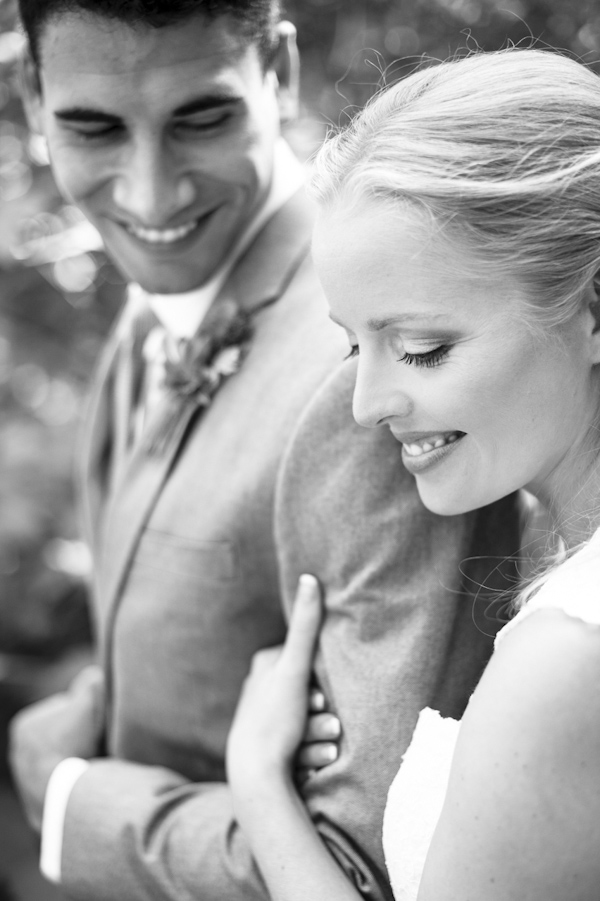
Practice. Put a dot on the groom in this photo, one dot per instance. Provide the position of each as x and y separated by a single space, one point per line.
162 120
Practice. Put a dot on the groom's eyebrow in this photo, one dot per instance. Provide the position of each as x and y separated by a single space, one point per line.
193 107
86 114
203 104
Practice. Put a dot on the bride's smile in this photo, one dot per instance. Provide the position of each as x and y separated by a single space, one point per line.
450 360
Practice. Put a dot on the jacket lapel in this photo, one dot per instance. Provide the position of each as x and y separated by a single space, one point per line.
95 445
268 265
260 276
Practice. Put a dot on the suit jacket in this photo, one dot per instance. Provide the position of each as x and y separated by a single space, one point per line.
413 602
187 587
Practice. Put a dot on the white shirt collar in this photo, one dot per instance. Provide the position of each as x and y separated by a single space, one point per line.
181 314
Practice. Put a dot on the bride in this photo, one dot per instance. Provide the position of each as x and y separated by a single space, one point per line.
458 244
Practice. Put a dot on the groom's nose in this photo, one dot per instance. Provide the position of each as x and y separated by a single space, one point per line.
378 397
150 188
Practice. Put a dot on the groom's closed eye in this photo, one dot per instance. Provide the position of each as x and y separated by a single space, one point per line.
89 122
207 113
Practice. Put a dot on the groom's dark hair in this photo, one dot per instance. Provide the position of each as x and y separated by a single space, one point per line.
256 19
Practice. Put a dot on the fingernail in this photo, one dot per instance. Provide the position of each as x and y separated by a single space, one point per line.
334 727
307 581
318 700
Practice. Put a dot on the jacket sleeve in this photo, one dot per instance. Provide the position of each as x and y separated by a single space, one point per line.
399 635
413 601
141 833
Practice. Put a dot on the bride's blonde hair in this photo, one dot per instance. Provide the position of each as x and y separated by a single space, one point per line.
502 151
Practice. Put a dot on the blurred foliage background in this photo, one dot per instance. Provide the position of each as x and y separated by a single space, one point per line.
59 295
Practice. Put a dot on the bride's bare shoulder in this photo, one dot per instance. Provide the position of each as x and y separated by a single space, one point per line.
522 812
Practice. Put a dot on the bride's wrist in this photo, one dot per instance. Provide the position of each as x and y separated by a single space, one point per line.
257 794
262 777
261 769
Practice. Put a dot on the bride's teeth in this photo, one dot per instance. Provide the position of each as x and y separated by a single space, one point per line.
415 450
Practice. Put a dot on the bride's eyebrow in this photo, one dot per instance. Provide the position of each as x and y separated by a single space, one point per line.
376 325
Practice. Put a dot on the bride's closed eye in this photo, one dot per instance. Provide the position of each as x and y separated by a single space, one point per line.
429 359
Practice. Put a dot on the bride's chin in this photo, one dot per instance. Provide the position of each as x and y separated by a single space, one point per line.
439 502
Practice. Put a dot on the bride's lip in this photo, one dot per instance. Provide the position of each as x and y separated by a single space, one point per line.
423 450
418 437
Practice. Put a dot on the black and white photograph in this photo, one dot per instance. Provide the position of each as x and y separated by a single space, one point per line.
299 450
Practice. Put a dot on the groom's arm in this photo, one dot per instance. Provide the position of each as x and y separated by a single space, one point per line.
400 633
349 513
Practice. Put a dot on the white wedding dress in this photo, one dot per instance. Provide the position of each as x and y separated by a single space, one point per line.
417 793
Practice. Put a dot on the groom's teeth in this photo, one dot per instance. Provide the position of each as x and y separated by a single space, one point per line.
416 449
162 235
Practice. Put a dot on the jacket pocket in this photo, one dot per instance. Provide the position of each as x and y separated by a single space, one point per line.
184 558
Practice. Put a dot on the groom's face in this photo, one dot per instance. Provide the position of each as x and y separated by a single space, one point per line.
163 137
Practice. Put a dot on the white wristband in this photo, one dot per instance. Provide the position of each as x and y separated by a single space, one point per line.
63 778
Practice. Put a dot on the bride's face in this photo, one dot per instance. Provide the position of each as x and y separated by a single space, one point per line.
481 404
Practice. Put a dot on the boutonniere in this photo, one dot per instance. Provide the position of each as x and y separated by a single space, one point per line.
195 368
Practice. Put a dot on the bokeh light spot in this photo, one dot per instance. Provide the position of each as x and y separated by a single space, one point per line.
75 273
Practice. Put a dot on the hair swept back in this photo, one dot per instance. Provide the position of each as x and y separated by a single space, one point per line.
501 150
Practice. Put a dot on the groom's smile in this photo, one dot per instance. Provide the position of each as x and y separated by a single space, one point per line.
175 239
162 236
163 138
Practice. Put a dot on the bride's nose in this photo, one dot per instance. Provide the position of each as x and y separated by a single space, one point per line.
378 394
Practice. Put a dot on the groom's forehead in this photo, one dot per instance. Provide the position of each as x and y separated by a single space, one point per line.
80 42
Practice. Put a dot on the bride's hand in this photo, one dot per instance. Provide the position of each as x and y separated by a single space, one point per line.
272 714
321 738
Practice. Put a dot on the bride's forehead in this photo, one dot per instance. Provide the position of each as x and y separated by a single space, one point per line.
382 244
383 275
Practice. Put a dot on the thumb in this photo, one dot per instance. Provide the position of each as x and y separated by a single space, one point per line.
301 641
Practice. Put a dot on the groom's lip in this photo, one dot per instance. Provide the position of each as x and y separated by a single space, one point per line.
187 239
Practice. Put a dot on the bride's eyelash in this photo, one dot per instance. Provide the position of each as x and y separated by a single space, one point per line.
429 359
